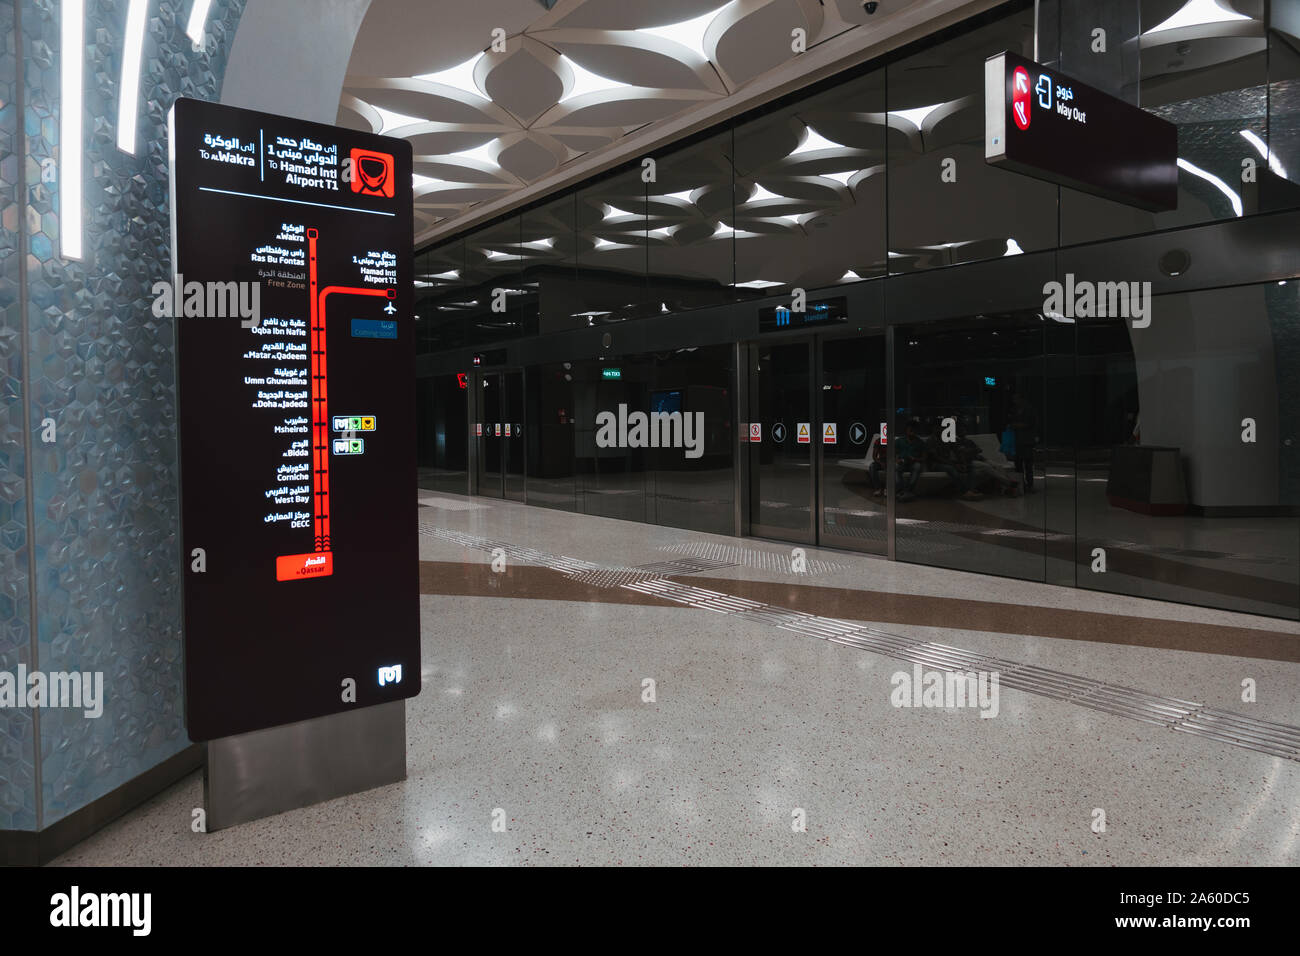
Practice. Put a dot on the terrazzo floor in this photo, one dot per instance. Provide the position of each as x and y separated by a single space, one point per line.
533 711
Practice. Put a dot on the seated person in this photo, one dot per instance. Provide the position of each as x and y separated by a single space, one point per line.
876 469
946 457
983 472
909 451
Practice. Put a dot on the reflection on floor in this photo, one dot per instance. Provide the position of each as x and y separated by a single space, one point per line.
536 703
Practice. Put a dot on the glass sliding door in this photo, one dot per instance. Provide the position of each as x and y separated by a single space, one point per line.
969 444
781 461
852 475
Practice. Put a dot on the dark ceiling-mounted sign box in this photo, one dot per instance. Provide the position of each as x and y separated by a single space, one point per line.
783 318
1042 123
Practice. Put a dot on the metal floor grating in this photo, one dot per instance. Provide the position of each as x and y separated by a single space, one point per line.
1183 716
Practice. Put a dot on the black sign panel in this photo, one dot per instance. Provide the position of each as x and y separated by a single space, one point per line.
1040 122
783 318
292 244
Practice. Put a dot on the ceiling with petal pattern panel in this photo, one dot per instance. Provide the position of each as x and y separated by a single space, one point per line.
487 120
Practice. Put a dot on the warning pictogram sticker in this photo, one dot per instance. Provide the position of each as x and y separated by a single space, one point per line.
828 434
803 434
755 431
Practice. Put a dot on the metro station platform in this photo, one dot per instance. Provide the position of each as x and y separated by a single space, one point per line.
772 705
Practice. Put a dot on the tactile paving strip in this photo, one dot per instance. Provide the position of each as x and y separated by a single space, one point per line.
1185 716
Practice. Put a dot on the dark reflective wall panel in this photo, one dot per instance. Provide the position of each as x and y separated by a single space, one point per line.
969 444
550 437
1187 484
688 483
690 226
443 433
946 206
810 191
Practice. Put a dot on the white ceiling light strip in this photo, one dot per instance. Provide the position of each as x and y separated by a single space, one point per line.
1197 13
72 48
689 33
128 100
917 115
1214 181
198 19
1274 163
459 77
390 120
584 81
814 141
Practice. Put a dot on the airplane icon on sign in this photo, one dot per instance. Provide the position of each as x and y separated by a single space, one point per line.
389 308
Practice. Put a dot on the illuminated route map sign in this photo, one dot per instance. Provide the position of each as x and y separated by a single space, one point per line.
1040 122
296 373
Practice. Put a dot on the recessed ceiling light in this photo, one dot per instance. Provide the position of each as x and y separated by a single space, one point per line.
850 275
814 141
389 120
482 154
723 230
450 274
684 195
1197 13
459 77
757 284
916 116
1013 248
689 33
584 81
615 212
761 193
419 180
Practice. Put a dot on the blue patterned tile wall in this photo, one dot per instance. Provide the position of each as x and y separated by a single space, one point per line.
17 736
106 559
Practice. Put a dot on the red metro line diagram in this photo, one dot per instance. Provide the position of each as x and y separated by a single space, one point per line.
320 561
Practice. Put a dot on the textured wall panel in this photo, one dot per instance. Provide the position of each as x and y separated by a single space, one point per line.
17 741
105 494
